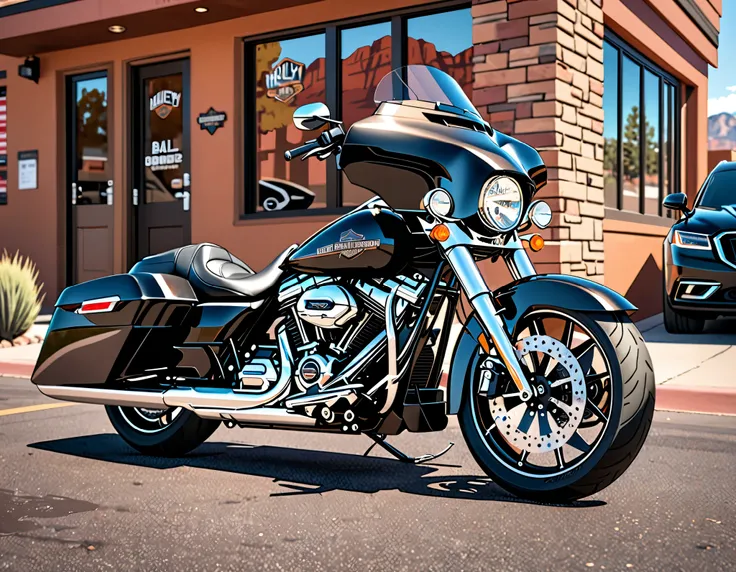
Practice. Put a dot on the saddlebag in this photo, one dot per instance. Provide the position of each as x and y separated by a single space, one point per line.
98 328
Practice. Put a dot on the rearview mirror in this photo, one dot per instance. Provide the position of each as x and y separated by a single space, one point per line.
311 116
676 201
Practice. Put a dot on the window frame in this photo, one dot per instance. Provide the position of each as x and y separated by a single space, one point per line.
333 95
674 127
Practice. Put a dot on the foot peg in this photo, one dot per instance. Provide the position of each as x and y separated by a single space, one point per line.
380 440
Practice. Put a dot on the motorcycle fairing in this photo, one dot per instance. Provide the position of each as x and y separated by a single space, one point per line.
516 299
457 153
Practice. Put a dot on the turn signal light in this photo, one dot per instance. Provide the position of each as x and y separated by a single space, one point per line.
536 243
99 305
440 233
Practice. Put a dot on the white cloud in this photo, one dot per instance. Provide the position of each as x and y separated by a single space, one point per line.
725 103
731 88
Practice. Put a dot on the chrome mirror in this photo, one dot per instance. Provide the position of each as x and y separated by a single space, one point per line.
540 214
311 116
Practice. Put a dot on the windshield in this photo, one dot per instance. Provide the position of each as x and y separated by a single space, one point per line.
721 190
423 83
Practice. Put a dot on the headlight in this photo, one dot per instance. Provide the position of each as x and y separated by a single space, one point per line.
500 203
439 203
692 240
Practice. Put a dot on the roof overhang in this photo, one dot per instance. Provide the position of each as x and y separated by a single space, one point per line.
30 27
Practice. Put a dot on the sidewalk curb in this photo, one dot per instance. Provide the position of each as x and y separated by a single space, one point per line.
22 370
713 400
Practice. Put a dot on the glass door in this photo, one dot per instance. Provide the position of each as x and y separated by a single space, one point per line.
161 182
89 177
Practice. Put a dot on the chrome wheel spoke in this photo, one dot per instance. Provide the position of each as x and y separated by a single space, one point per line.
585 353
560 457
567 333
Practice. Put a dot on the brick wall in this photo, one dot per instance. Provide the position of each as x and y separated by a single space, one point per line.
538 76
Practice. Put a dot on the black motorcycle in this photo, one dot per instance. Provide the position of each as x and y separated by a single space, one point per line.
347 333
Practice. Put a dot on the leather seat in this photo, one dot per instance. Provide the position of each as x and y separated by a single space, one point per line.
215 273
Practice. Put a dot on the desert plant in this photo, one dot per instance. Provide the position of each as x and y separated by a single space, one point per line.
20 295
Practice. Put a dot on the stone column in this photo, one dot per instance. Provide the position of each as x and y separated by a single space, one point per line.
538 76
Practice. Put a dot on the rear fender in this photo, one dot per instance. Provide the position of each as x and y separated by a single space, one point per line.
551 291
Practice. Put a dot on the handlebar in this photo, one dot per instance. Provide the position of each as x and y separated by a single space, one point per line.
325 144
301 150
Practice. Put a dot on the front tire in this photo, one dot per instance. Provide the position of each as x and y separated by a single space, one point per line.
170 433
618 393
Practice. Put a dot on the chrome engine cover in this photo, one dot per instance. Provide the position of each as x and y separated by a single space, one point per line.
328 306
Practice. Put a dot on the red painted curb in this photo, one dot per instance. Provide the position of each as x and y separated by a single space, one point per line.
716 400
16 370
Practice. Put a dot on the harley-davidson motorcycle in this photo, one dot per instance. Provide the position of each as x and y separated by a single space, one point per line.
347 332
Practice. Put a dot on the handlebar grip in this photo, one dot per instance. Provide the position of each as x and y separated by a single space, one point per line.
301 150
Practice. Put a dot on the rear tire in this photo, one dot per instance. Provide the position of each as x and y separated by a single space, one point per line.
676 323
183 434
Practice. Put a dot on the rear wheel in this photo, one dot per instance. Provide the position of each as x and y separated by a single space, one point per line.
591 410
676 323
164 433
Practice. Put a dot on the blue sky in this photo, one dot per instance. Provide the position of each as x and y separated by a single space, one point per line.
722 80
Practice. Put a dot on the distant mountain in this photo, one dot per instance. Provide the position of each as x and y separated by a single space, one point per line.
722 131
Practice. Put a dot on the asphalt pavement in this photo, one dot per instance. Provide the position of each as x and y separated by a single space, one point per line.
73 496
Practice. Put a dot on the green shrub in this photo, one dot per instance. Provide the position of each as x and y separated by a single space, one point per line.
20 300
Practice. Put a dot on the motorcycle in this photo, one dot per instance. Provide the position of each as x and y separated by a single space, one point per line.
347 332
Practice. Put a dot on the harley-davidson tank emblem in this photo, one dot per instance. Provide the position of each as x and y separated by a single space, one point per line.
351 245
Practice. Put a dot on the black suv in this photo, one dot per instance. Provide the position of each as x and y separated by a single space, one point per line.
700 254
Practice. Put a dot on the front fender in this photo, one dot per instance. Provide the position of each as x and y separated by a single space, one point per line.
553 291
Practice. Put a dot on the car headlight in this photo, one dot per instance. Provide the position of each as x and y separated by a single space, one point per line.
500 203
692 240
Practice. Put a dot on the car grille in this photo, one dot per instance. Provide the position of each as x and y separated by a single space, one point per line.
726 244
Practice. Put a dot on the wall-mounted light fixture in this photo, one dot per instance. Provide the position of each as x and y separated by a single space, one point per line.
115 29
30 69
201 9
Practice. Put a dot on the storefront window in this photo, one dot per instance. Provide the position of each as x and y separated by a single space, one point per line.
651 138
91 140
366 58
339 65
289 73
610 125
444 41
639 130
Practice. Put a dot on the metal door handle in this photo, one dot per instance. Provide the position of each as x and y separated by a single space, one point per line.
109 192
74 193
184 195
187 180
135 197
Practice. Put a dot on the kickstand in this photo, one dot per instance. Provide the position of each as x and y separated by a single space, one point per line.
380 440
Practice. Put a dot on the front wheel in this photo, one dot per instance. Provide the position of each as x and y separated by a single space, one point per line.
171 432
590 413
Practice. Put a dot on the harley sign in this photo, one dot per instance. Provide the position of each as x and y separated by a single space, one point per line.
285 80
164 101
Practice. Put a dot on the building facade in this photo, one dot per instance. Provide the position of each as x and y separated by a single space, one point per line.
155 123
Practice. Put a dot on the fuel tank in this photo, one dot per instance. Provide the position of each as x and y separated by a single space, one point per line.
372 241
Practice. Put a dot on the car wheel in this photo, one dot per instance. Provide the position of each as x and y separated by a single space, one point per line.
676 323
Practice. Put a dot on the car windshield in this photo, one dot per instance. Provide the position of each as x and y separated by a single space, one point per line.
423 83
721 190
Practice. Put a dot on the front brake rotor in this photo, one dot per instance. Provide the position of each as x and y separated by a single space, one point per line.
551 416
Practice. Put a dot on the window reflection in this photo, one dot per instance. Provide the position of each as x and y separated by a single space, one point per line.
366 58
91 140
631 157
610 125
444 41
289 73
651 147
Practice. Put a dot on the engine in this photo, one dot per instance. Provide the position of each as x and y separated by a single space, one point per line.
331 320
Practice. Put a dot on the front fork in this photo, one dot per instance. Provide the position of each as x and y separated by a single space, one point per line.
480 296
